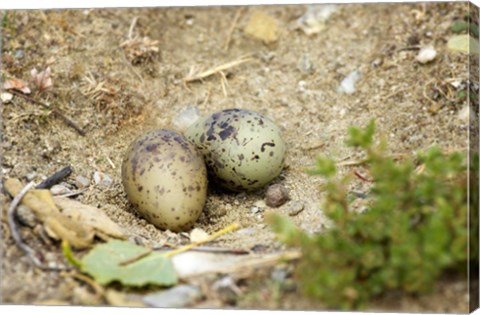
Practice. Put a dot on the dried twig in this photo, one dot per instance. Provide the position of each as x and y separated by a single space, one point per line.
188 247
55 178
55 111
232 28
31 254
135 258
132 26
195 76
363 178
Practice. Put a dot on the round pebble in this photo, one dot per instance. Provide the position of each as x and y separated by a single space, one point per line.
276 196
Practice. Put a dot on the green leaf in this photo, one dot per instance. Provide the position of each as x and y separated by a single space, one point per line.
459 26
463 43
129 264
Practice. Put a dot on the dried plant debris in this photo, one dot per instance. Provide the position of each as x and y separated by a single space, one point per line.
42 80
138 50
16 84
65 219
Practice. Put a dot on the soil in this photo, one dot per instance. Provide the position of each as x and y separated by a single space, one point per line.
115 98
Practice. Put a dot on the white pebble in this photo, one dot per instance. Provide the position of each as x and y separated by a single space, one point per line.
186 118
348 84
426 54
102 180
81 181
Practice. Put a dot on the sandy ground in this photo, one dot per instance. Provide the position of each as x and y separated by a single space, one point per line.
114 100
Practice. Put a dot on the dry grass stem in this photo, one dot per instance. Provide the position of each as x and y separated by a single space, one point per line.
195 75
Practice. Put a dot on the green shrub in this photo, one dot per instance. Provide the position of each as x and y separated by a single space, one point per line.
414 229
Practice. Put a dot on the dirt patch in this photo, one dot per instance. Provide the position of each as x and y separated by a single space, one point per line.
116 95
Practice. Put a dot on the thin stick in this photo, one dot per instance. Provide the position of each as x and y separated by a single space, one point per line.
192 76
31 254
188 247
55 178
135 258
55 111
99 290
208 95
232 28
352 163
132 26
73 193
363 178
132 69
223 81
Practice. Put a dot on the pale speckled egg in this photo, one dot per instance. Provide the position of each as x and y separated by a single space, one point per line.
243 149
165 178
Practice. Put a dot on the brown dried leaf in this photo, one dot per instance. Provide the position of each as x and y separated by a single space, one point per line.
57 225
89 216
16 84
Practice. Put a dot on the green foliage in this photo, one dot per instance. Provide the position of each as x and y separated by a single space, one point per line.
125 262
415 228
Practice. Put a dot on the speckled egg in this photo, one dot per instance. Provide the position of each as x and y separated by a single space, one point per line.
243 149
165 178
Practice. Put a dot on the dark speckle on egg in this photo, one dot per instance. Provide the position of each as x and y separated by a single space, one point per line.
243 149
156 171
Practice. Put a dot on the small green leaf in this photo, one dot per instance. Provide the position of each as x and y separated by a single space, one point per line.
459 26
129 264
463 43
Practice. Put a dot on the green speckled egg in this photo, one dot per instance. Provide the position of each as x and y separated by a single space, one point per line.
165 178
243 149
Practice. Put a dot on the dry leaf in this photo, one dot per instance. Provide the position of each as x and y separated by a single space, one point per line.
263 27
89 216
16 84
42 80
57 225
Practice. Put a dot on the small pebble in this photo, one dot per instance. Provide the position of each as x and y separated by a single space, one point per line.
31 176
176 297
426 54
26 216
295 207
227 288
377 63
305 65
348 84
255 210
57 190
186 117
198 235
81 181
276 196
102 180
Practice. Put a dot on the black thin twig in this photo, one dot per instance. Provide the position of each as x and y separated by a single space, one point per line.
55 111
55 178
